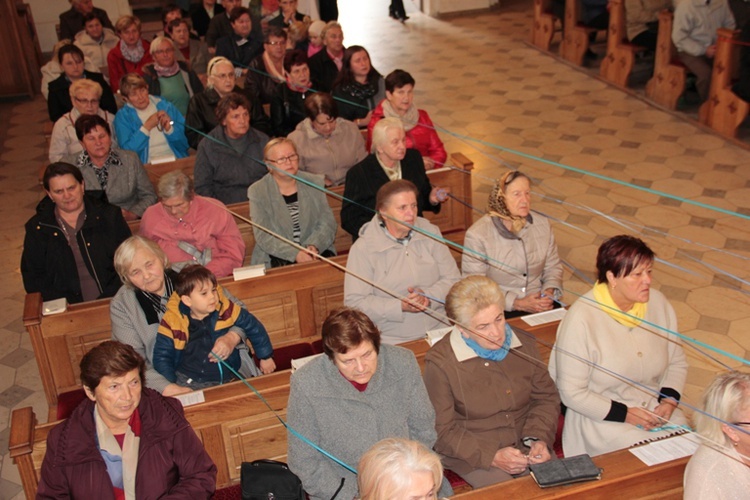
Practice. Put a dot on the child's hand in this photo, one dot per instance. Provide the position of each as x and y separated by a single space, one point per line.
267 366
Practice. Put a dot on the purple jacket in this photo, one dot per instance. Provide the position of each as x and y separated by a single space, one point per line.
171 460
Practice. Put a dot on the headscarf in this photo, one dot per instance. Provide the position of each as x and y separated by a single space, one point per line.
497 206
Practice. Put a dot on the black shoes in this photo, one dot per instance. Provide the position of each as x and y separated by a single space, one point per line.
398 16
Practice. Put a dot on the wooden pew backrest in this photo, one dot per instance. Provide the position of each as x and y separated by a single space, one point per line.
543 24
618 63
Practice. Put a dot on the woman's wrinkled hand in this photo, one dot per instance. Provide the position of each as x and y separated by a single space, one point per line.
510 460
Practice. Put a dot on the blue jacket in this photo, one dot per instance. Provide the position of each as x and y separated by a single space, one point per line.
130 136
173 351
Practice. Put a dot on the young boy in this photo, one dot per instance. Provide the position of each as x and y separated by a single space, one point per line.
196 323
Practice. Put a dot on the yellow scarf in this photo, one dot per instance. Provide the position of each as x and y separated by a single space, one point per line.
607 304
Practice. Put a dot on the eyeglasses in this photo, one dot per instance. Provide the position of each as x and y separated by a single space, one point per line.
87 102
273 44
224 76
284 160
162 52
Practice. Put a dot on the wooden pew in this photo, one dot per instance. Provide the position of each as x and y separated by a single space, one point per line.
618 63
724 111
453 220
234 425
668 82
543 25
575 40
624 476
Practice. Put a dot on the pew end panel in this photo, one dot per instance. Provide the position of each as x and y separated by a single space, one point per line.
618 63
543 25
575 41
668 82
724 111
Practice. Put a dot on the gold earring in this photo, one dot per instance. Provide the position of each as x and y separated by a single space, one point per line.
736 443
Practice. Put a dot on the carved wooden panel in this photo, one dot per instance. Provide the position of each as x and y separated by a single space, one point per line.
325 299
254 438
278 313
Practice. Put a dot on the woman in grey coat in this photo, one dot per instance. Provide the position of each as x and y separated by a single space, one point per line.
296 210
359 393
117 172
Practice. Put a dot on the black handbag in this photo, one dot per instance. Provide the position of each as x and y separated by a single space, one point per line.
269 479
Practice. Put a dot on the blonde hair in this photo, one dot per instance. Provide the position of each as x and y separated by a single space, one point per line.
329 26
386 469
126 252
212 64
471 295
380 130
724 399
85 84
131 82
157 41
125 22
275 142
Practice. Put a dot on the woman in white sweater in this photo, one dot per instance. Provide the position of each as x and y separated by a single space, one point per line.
619 369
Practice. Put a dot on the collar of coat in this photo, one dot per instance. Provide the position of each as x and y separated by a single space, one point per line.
463 352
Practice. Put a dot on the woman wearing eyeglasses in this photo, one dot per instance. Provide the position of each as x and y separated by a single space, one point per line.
230 159
86 96
201 113
520 246
328 145
294 210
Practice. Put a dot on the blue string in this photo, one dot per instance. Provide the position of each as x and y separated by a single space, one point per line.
288 427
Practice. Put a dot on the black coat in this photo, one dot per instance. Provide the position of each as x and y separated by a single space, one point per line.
323 71
365 178
59 103
240 55
71 22
47 262
201 115
287 109
200 17
258 82
279 20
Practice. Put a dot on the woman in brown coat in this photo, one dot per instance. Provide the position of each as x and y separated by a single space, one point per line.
496 406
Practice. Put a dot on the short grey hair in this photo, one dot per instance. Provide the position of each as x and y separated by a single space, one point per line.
176 183
471 295
380 130
126 252
724 399
156 42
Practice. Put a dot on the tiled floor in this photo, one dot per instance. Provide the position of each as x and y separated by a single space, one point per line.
500 102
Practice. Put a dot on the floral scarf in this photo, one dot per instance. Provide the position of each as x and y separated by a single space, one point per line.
498 208
102 173
167 71
132 55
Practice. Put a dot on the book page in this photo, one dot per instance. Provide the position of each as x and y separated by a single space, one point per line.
668 449
544 317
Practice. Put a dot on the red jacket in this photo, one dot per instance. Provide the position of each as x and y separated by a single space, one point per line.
423 137
171 460
119 66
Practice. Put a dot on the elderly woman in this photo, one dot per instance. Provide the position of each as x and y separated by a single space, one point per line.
193 229
420 132
169 78
201 114
267 70
193 52
71 61
359 393
359 88
131 54
399 468
326 64
328 145
138 307
620 326
86 96
398 259
228 161
124 441
96 41
389 159
149 125
495 403
721 466
295 210
520 246
244 44
288 102
120 174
